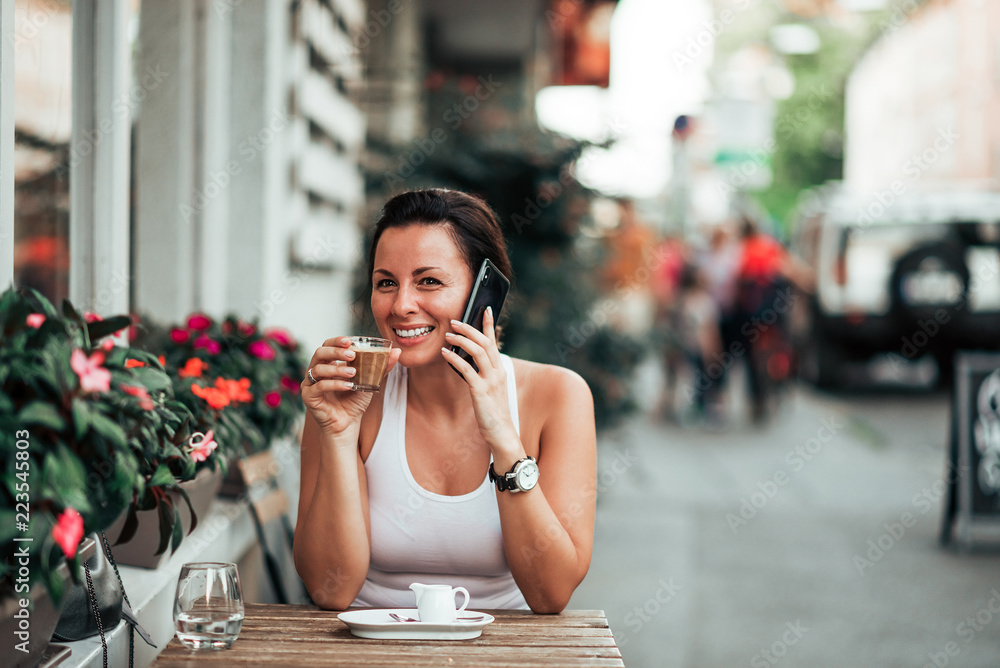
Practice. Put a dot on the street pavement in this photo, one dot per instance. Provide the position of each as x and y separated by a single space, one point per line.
812 541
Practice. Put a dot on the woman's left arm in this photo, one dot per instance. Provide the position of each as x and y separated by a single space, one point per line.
548 531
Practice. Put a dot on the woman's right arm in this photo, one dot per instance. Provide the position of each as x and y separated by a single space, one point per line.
332 534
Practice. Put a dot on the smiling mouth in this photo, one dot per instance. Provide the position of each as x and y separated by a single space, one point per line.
412 333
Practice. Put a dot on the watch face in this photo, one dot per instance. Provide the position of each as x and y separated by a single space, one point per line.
527 475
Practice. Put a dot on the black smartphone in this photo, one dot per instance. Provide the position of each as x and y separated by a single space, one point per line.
490 289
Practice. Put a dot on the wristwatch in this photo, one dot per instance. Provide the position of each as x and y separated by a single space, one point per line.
523 476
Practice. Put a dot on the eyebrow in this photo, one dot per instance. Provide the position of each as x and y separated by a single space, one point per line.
416 272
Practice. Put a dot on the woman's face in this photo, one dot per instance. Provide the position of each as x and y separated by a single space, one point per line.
420 283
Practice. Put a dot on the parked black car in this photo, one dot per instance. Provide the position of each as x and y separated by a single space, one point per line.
905 274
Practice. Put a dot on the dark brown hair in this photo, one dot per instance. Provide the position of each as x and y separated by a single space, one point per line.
469 219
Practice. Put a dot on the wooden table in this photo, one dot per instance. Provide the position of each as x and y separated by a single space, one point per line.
304 635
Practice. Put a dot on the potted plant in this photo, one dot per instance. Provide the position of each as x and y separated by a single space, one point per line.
246 377
97 434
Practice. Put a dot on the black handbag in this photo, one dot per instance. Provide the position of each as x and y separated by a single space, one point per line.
78 620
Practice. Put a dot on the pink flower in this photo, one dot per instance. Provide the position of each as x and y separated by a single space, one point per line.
67 531
202 448
145 402
281 337
90 316
93 377
290 384
199 321
210 345
35 320
107 345
261 350
272 399
179 335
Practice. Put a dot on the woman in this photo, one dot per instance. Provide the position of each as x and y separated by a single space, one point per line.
394 485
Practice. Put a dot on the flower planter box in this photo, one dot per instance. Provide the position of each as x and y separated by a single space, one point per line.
44 615
139 551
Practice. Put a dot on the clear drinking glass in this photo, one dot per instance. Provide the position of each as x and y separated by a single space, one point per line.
208 607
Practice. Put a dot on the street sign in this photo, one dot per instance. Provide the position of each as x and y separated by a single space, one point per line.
973 497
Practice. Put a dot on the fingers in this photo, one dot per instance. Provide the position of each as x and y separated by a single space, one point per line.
481 346
333 350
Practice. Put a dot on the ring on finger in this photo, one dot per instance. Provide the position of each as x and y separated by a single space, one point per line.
312 378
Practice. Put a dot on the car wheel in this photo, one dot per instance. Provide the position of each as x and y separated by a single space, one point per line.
927 279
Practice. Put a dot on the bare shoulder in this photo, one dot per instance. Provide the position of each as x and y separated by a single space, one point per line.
551 386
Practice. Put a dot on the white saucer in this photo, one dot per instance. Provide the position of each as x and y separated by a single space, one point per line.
378 624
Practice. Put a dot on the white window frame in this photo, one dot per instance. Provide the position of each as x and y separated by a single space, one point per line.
99 158
6 145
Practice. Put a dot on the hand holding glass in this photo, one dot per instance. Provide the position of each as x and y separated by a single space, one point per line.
208 607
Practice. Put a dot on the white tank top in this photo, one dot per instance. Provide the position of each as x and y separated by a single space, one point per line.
420 536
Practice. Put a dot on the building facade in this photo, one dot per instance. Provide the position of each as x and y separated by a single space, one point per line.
922 103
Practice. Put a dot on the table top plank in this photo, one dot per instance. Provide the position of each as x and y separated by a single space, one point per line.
306 636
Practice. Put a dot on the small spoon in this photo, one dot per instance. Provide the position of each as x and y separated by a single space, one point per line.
400 618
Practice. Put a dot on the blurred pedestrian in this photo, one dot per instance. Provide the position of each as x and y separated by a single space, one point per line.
698 335
766 275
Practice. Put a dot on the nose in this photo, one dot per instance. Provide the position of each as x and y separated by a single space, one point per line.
405 302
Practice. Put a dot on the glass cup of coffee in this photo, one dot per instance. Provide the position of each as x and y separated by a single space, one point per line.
371 359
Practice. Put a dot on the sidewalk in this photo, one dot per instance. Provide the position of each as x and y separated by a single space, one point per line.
809 543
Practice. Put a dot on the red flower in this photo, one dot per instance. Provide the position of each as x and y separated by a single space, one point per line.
216 398
35 320
290 384
211 346
67 531
201 449
193 368
179 335
93 377
272 399
144 401
236 390
281 337
261 350
90 316
133 364
245 328
199 321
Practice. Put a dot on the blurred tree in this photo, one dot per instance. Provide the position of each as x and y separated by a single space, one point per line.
809 125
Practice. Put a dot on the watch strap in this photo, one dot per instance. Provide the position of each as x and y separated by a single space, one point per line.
507 482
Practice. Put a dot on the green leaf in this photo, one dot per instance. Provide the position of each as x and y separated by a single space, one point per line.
168 517
81 418
101 328
44 414
130 527
194 516
108 430
152 378
178 534
162 477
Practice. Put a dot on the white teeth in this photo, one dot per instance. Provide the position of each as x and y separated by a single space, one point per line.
410 333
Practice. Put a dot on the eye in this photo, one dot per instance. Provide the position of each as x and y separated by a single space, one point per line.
429 280
383 284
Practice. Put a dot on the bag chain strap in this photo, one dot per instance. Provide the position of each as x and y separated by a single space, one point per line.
97 612
131 633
